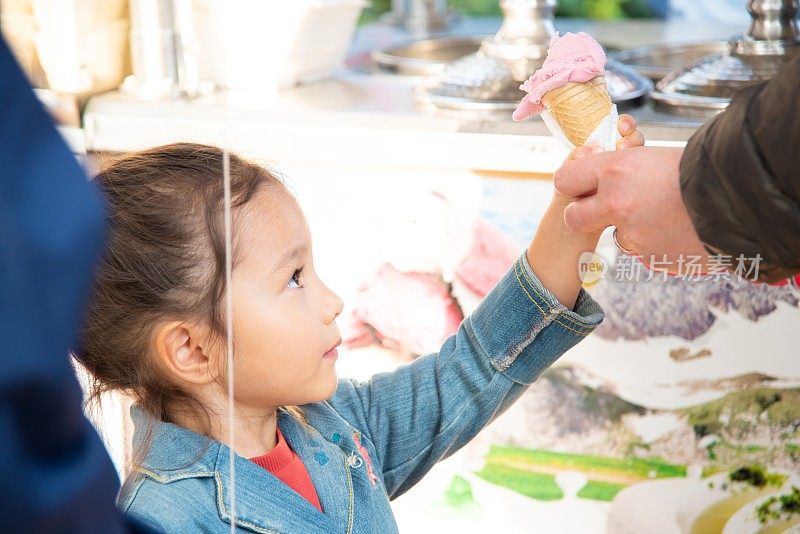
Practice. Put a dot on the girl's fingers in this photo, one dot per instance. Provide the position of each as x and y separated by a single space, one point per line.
626 124
583 151
632 140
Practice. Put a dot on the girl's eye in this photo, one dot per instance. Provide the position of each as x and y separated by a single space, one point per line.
294 282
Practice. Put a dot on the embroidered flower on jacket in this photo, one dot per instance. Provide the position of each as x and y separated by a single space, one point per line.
365 455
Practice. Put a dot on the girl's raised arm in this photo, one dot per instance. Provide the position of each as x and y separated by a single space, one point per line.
407 420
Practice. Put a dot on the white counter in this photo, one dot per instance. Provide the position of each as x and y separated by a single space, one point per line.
372 119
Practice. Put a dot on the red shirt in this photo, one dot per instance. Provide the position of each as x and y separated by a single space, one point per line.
289 469
795 281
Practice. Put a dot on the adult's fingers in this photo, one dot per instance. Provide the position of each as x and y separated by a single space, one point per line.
588 215
621 241
579 177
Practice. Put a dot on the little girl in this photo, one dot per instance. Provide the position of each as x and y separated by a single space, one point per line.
313 454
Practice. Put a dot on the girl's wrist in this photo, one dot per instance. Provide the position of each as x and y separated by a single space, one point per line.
555 252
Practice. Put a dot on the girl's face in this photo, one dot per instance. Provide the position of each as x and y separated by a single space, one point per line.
284 315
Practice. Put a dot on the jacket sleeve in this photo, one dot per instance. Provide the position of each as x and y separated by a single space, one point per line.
740 176
428 409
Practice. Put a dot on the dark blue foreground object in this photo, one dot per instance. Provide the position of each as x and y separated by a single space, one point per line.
55 474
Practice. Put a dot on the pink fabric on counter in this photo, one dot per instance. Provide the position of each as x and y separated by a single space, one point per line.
492 254
411 313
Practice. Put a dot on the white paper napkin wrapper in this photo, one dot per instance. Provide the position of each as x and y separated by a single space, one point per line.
605 135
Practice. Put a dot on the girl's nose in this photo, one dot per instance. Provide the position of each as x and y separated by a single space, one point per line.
333 305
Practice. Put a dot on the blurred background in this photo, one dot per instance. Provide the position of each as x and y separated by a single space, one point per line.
596 9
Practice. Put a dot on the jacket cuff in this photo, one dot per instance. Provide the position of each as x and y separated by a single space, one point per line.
522 328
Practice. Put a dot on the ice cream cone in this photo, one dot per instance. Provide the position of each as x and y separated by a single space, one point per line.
571 85
579 107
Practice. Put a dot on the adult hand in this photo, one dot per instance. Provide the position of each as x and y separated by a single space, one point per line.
638 191
630 137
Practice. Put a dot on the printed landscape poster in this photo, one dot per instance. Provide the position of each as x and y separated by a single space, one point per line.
685 386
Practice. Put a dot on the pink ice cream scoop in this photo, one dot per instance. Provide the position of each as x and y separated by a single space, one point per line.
573 57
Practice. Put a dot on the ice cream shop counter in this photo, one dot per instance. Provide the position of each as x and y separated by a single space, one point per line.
368 116
417 210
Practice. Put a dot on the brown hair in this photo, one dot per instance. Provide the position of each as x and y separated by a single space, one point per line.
164 260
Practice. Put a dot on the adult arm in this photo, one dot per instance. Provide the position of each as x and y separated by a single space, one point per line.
740 176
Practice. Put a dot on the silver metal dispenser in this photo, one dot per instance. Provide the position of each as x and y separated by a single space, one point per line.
490 78
706 87
163 50
421 17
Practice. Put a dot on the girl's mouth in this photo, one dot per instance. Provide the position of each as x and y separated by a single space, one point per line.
333 353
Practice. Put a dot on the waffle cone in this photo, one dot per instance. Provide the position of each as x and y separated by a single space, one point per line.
579 107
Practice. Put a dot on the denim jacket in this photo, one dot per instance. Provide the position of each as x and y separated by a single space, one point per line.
372 440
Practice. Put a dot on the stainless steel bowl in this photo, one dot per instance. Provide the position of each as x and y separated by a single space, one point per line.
483 83
658 61
420 58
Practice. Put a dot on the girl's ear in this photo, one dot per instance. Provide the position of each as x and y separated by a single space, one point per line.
179 350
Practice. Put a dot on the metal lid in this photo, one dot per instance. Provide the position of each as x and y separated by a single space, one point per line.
481 82
490 78
706 87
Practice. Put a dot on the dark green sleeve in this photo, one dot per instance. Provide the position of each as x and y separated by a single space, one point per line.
740 176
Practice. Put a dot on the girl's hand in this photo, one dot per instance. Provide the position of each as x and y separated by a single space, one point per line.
555 250
631 137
